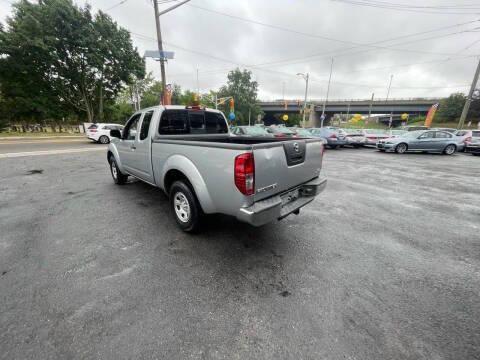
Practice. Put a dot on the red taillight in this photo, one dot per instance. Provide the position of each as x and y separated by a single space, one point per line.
245 173
333 136
467 140
279 135
93 130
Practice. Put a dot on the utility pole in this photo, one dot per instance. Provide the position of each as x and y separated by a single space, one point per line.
305 77
370 107
198 85
468 101
348 110
389 87
160 42
328 90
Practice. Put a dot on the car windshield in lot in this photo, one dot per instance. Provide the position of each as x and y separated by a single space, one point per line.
254 130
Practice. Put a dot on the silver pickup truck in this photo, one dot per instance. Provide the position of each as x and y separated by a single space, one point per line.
189 153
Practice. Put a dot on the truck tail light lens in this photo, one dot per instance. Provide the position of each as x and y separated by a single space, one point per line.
467 140
333 136
245 173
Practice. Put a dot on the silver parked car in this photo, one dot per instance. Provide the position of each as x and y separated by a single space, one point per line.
422 140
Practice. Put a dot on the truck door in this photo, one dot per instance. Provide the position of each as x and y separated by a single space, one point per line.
126 144
139 161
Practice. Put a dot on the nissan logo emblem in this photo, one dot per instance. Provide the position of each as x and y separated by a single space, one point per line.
296 147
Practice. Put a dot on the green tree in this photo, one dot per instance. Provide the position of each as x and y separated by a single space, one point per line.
244 90
451 108
57 59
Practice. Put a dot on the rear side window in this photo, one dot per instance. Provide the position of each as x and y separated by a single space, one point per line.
177 122
442 135
476 133
147 118
173 122
93 126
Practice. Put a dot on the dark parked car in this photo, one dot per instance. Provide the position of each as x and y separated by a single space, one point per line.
333 137
421 140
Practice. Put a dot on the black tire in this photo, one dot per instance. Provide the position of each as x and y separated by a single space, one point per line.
401 148
118 177
333 147
356 146
450 149
104 139
185 206
476 154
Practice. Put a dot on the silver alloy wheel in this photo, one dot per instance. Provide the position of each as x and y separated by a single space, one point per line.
104 139
450 149
114 169
182 207
401 148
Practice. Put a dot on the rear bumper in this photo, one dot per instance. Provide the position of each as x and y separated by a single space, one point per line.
267 210
336 142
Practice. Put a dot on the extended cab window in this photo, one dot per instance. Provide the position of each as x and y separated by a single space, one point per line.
215 123
176 122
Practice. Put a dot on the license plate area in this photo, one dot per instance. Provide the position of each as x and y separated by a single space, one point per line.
290 197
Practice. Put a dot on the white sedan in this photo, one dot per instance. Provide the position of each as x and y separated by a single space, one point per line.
101 132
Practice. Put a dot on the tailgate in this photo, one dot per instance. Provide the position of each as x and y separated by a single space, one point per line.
283 165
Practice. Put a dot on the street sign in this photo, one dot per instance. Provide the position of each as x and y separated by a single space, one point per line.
157 55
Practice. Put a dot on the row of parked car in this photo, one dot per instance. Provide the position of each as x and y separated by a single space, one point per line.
409 138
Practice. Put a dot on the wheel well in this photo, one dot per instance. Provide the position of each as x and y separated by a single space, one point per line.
109 156
174 175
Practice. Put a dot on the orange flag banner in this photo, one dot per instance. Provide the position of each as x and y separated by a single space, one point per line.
430 115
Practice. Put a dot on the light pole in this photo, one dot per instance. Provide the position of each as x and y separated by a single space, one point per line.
305 77
160 42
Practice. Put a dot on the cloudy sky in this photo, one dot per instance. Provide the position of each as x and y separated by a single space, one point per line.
430 47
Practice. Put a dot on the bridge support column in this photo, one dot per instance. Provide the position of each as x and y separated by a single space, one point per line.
313 118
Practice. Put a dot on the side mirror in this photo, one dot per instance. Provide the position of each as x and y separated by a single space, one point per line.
115 133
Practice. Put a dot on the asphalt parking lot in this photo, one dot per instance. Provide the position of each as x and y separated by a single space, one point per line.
385 264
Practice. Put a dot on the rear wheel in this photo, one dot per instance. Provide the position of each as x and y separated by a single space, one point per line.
185 206
104 139
450 149
401 148
332 146
118 177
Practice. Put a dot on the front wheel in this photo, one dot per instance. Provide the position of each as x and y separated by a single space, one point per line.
104 139
401 148
450 149
185 206
118 177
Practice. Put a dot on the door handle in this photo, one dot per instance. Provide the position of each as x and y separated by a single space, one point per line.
133 147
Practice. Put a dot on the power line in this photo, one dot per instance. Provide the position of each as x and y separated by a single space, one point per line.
380 5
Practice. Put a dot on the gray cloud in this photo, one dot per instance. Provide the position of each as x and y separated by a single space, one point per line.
214 43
